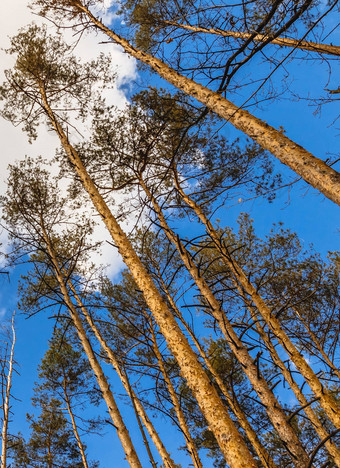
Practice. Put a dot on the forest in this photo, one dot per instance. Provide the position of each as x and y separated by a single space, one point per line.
193 311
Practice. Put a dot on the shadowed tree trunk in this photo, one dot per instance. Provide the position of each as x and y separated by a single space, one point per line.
74 426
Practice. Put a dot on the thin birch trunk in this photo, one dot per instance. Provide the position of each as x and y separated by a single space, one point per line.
281 41
232 401
118 423
74 427
230 441
176 404
312 169
261 387
6 405
166 458
242 281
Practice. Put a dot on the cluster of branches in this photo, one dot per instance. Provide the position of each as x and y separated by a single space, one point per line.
271 307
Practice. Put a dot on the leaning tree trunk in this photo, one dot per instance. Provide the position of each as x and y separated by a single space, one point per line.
103 384
305 405
317 343
228 438
312 169
139 422
175 401
261 387
166 458
6 405
242 282
74 426
228 393
281 41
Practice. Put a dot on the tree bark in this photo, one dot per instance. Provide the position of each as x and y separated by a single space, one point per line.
310 168
117 420
166 458
242 281
281 41
261 451
309 412
74 426
230 441
6 405
176 404
261 387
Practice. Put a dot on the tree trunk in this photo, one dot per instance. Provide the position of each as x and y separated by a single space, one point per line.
74 427
230 441
262 453
166 458
261 387
317 424
176 404
6 405
281 41
312 169
317 344
103 384
242 281
140 425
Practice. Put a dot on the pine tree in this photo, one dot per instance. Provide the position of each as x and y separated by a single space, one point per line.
37 77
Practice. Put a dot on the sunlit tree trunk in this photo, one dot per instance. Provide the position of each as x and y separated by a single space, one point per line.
74 426
230 441
133 398
166 458
262 453
176 404
309 412
317 343
103 384
261 387
312 169
242 281
281 41
6 403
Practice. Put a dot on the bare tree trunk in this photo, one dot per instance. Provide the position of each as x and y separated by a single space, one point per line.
140 425
262 453
103 384
317 343
6 405
281 41
261 387
166 458
230 441
313 418
176 404
74 427
312 169
242 281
